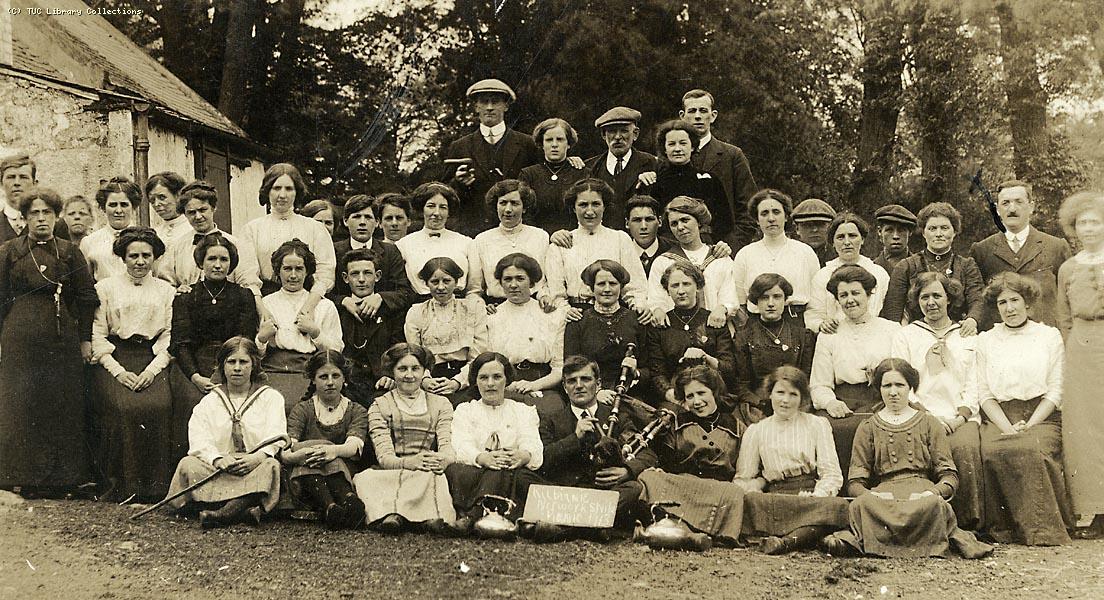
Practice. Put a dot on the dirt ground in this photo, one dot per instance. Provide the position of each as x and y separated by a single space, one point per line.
79 549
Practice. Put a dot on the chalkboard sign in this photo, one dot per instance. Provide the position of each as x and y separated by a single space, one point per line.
572 506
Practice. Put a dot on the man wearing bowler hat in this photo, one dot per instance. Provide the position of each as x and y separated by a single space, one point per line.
811 218
895 224
621 165
482 158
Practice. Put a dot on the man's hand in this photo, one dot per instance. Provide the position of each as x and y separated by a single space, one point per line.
611 476
561 238
385 383
465 174
586 425
646 178
829 326
370 305
576 162
838 409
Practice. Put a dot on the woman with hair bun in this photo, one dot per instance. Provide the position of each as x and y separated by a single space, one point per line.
119 199
130 340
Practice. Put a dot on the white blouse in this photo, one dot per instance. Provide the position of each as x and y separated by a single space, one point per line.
565 266
849 356
775 450
285 306
178 266
720 290
942 391
794 260
1020 364
490 246
263 235
210 426
823 306
131 308
170 231
454 332
526 332
418 247
96 248
477 427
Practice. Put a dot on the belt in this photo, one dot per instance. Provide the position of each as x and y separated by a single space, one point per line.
134 339
525 365
579 302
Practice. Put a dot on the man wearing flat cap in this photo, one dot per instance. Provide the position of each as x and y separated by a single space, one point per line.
811 218
1021 249
895 225
621 165
482 158
722 160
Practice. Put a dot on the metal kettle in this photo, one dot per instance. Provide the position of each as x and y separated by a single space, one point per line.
494 524
670 532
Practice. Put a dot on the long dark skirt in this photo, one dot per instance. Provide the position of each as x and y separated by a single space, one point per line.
1026 499
136 457
185 397
712 507
43 442
549 398
861 400
286 372
470 484
779 509
969 499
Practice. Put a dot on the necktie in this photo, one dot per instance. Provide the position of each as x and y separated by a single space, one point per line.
490 139
620 166
1016 245
645 260
197 238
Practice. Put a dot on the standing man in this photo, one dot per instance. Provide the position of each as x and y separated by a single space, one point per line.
620 166
17 175
895 224
1022 249
482 158
643 223
724 161
811 218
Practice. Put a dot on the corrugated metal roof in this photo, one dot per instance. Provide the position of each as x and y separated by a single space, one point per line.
125 64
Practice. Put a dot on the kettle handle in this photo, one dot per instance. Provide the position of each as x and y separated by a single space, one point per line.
661 507
507 502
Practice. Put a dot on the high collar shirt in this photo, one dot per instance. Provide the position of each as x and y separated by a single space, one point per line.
263 235
418 247
492 245
849 356
284 307
128 309
1020 364
477 428
824 307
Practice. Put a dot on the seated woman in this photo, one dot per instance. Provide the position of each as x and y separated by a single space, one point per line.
791 458
944 356
452 329
531 339
237 428
686 217
412 436
775 253
770 338
435 201
130 340
697 457
676 143
847 231
291 336
689 339
845 359
497 442
606 328
213 311
902 476
938 223
1019 375
327 432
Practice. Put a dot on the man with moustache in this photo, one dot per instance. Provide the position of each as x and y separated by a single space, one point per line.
17 175
491 154
1022 249
895 225
724 161
570 429
621 165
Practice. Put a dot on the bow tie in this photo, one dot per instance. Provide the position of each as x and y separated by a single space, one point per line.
435 234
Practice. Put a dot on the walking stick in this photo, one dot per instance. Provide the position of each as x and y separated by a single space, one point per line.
218 471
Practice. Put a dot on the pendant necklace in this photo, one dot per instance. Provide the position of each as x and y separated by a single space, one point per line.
686 322
214 297
555 174
58 285
777 338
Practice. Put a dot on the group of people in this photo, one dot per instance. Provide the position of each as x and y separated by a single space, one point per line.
641 325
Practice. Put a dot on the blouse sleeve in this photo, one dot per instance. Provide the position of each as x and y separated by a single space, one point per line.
1062 313
325 273
748 462
271 402
862 460
161 356
529 435
201 442
248 273
829 476
658 298
101 348
974 286
380 430
480 340
637 287
893 308
476 285
249 321
297 421
358 424
739 277
555 273
725 354
463 434
83 291
444 426
980 381
1056 358
559 322
414 324
822 380
181 346
329 326
816 312
943 467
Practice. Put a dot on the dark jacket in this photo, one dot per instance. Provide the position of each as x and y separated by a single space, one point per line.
504 160
624 185
962 268
686 180
727 163
567 458
1039 259
393 285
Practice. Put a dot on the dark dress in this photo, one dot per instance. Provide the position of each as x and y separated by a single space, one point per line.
605 339
686 180
698 461
664 347
549 212
757 354
305 428
199 327
962 268
43 440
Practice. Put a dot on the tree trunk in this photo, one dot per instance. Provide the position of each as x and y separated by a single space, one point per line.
1026 100
239 63
881 105
936 53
